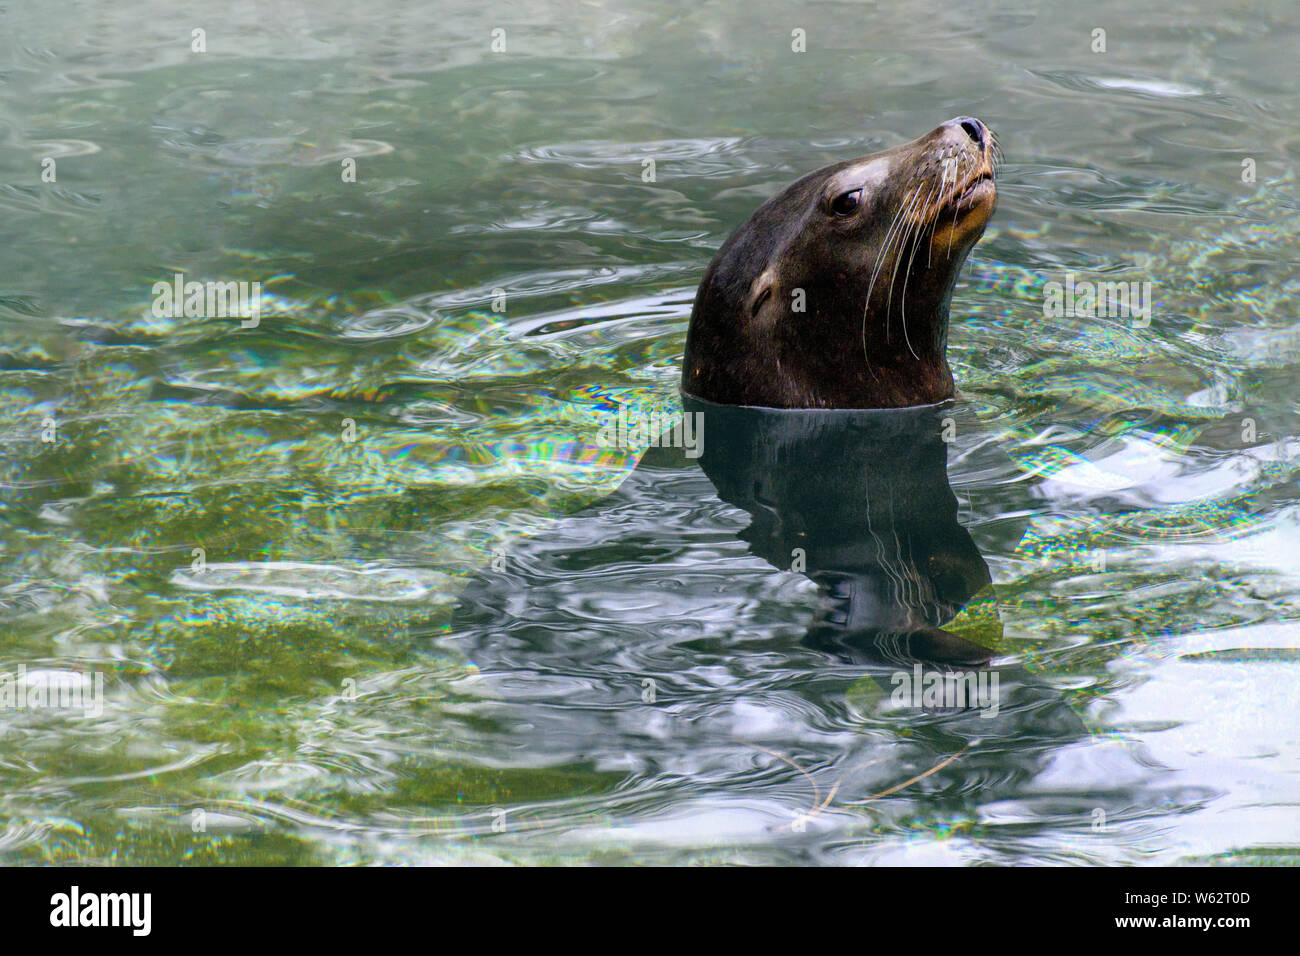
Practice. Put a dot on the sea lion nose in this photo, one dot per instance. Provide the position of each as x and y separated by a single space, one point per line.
972 127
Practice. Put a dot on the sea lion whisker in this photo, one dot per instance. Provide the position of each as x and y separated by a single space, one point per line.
906 238
938 206
956 211
894 247
902 237
882 257
893 232
934 226
943 185
917 222
903 304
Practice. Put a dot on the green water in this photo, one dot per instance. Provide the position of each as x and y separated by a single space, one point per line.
267 592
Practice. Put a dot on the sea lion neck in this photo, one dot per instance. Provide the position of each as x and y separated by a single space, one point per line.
835 293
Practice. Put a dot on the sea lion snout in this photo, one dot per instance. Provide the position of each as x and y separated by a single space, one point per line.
972 127
966 151
835 292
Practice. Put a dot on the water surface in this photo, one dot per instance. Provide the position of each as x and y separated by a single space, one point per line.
304 689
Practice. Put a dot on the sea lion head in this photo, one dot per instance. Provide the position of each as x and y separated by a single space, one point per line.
835 292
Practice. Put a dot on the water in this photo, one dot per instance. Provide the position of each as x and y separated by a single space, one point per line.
304 687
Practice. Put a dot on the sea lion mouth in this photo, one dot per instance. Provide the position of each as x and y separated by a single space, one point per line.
965 198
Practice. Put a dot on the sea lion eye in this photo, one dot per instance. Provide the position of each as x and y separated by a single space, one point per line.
846 204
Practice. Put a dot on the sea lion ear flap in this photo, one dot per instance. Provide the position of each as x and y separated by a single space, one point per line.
760 291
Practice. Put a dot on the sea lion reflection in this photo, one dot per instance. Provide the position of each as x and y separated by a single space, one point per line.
859 501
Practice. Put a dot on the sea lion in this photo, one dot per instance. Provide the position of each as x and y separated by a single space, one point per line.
835 292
